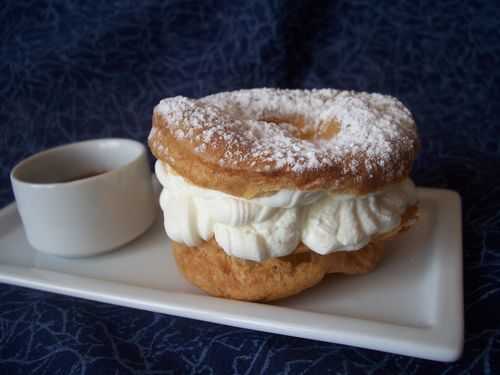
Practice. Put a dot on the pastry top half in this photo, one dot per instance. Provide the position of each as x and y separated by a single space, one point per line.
250 143
265 172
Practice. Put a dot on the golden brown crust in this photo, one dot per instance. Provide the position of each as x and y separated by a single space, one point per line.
249 177
208 267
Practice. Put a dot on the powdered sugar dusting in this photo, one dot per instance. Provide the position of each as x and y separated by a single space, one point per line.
371 125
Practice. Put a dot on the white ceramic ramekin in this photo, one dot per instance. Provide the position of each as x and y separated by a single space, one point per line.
82 217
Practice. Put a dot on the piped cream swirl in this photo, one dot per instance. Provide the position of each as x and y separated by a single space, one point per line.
272 226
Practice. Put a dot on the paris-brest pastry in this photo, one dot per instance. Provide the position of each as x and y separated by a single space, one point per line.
265 191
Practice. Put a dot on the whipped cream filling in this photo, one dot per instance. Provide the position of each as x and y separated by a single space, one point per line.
272 226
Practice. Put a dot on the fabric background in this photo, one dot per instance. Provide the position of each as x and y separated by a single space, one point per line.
73 70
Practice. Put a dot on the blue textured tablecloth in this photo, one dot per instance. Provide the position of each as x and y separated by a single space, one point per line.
73 70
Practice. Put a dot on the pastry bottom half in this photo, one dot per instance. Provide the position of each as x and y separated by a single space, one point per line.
208 267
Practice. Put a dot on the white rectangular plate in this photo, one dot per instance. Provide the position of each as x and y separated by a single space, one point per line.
412 304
